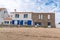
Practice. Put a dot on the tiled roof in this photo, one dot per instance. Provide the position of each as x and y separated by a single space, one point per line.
7 18
2 9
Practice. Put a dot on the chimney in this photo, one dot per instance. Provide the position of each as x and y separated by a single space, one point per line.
15 10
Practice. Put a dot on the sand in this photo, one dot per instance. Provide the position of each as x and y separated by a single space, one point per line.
29 34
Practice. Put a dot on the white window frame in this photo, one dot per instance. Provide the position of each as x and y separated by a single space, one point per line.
25 15
48 16
6 22
41 16
16 16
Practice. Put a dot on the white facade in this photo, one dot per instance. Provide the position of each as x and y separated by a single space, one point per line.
3 14
57 25
21 16
6 23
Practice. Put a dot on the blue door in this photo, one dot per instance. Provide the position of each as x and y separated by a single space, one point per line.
29 22
18 22
21 22
12 22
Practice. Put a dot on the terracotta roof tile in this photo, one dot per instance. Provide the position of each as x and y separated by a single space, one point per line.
7 18
2 9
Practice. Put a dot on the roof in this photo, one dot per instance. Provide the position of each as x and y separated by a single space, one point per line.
28 12
20 12
8 18
43 12
2 9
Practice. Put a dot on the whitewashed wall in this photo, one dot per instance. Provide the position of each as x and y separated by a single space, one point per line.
3 15
5 23
57 25
21 16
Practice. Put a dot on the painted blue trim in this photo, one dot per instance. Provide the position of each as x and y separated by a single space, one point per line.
29 22
21 22
12 21
18 22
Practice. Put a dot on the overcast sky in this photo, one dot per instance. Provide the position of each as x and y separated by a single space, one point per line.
33 6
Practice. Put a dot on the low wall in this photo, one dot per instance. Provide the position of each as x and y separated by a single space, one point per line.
23 26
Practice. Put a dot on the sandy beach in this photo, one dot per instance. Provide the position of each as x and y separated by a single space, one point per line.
29 34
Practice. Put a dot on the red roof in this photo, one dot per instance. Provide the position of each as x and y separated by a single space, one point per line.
7 18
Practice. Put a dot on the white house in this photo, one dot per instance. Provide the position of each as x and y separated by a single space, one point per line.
3 14
30 19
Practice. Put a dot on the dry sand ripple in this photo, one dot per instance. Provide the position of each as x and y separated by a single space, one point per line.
29 34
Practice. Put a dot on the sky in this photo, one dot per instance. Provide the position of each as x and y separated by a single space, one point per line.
33 6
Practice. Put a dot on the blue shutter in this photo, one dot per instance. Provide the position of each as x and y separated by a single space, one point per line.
18 22
21 22
29 22
12 21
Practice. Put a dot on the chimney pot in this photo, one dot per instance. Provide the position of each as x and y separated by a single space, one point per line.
15 10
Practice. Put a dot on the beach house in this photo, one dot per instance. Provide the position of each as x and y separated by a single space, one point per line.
31 19
3 14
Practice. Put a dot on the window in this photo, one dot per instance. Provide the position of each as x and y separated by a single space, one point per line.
16 15
25 15
38 23
48 16
49 23
5 11
25 22
10 22
41 16
6 22
11 15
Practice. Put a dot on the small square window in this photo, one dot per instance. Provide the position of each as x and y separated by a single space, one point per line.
38 23
6 22
25 15
16 15
5 11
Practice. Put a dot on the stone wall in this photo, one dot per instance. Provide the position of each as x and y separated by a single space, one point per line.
45 20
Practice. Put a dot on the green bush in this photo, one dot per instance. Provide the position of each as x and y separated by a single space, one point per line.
45 26
27 26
